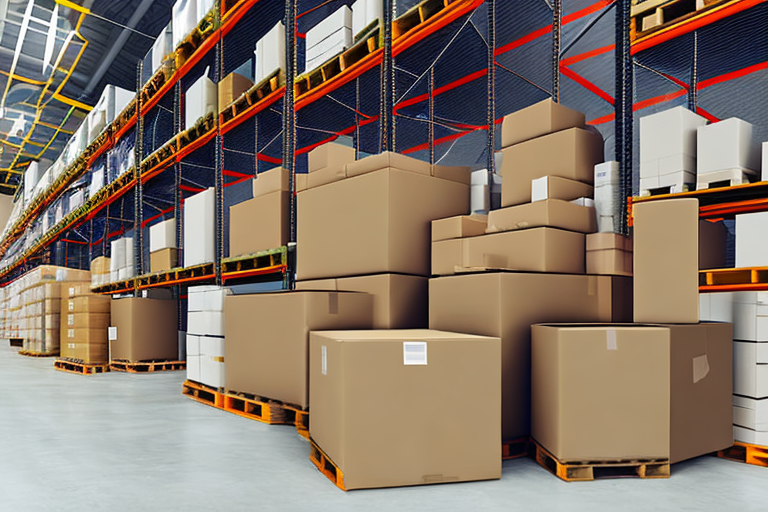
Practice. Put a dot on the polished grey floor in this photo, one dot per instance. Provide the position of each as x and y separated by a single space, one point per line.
122 442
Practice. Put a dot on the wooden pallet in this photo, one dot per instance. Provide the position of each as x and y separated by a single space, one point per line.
200 129
29 353
723 179
146 366
254 95
175 275
417 15
265 410
239 265
674 189
16 342
593 470
746 453
517 448
652 15
203 394
326 465
80 368
734 277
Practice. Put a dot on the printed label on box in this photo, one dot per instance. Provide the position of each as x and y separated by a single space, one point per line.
324 358
70 319
414 353
112 333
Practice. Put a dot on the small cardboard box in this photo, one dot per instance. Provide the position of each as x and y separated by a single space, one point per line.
539 119
89 321
273 180
462 226
143 329
232 87
331 155
631 392
555 187
609 254
358 378
259 224
552 213
163 260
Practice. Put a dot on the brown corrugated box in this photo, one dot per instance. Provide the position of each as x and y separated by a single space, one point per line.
666 261
273 180
632 392
232 87
267 338
609 254
361 389
390 160
550 213
86 304
565 189
539 119
146 329
330 154
570 154
90 347
375 223
100 265
399 301
528 250
507 304
85 336
85 320
77 290
461 226
712 244
163 260
259 224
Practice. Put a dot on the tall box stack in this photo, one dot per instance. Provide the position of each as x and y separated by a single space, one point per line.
205 335
270 53
143 329
200 228
85 319
262 223
162 246
370 231
726 153
329 37
200 100
668 150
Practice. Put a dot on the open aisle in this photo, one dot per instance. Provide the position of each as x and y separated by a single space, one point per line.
133 442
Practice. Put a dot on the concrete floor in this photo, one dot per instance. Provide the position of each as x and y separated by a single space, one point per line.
132 442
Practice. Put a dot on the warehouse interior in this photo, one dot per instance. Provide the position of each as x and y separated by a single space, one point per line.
419 254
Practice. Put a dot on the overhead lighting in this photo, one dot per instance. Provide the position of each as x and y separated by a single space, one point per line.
50 40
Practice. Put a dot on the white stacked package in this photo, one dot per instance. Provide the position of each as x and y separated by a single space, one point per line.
113 100
162 235
204 7
479 193
607 197
200 228
751 242
270 52
727 145
365 12
329 37
31 177
117 259
205 334
183 19
128 270
668 149
163 46
200 100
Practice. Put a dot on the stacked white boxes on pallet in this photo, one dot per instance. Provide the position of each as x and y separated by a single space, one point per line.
205 335
329 37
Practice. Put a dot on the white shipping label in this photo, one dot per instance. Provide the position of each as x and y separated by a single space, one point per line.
324 360
414 353
71 345
70 333
71 305
71 291
610 340
70 319
112 333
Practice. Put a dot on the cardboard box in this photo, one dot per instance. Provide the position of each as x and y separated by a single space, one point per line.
200 228
751 242
273 180
750 316
72 290
357 380
193 345
668 394
750 413
328 47
666 261
549 213
399 301
231 88
88 353
163 260
259 224
570 154
86 304
193 368
609 254
365 12
505 305
267 338
162 235
527 250
341 18
712 244
205 323
200 100
555 187
749 377
539 119
270 52
90 321
212 369
100 265
462 226
390 160
726 145
143 329
375 223
749 436
332 155
668 142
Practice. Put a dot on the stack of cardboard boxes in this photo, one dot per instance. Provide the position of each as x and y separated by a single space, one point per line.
205 335
163 254
84 323
329 37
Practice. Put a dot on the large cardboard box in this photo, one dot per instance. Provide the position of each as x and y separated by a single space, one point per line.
357 380
273 180
462 226
668 142
555 187
390 160
267 338
539 119
232 87
570 154
162 260
553 213
259 224
375 223
666 261
143 329
631 392
505 305
527 250
609 254
399 301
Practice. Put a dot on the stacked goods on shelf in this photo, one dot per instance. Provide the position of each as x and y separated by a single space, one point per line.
121 262
364 14
261 223
668 150
205 335
162 47
200 228
406 384
726 154
185 15
100 271
549 157
200 100
143 329
232 87
163 254
113 100
270 53
84 323
328 38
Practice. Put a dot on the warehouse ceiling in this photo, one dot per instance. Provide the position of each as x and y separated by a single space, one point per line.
56 57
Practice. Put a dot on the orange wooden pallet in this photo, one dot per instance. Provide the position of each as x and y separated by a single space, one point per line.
80 368
747 453
146 366
29 353
268 411
203 394
326 465
516 448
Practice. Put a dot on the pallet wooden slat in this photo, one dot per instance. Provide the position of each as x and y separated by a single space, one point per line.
146 366
80 368
746 453
326 465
